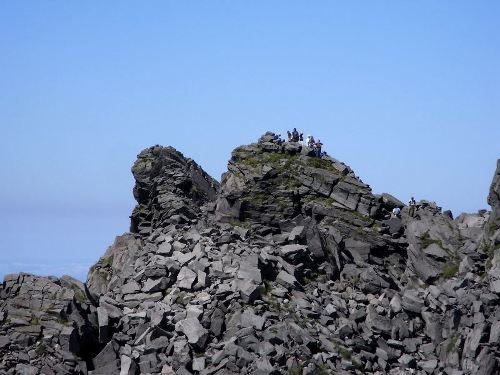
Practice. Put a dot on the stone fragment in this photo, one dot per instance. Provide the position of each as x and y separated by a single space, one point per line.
182 258
287 280
372 282
106 356
358 249
395 303
155 285
436 251
165 249
494 333
194 331
428 366
296 233
109 305
4 342
248 272
377 322
250 319
293 252
24 369
131 287
167 370
472 341
198 364
412 302
216 322
407 361
103 320
249 291
433 326
127 366
69 340
395 225
186 278
495 286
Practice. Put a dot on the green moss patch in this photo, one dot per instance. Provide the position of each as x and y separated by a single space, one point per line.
321 164
450 270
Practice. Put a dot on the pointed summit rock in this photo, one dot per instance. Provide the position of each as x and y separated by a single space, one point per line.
267 182
168 188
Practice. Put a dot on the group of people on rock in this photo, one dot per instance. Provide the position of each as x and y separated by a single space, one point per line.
412 203
295 136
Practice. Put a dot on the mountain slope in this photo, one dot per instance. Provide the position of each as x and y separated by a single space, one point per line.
291 265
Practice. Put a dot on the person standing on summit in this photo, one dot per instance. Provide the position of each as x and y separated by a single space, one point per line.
295 135
307 142
310 141
317 147
413 205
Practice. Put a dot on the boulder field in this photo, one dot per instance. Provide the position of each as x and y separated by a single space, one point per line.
291 265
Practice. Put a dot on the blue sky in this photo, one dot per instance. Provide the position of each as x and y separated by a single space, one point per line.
405 92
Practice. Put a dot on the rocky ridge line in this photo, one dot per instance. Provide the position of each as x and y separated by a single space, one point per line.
289 267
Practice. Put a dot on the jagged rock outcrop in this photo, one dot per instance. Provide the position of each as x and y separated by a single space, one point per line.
491 240
284 186
291 266
494 197
168 188
268 182
436 245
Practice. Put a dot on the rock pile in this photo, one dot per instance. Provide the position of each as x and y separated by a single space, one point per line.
291 266
46 325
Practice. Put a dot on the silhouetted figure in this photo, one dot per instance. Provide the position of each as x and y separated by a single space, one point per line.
317 148
413 206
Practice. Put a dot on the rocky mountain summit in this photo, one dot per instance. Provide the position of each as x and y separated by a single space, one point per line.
292 265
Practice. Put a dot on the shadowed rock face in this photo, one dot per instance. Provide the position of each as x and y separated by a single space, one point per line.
168 188
291 266
494 195
44 319
492 230
494 202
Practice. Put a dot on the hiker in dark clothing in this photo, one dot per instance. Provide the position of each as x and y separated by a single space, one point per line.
277 139
317 148
295 135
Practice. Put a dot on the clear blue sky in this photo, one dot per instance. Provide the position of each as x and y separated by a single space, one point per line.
406 92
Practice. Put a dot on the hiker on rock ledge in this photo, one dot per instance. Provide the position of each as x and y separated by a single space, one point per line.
396 212
310 141
413 205
277 139
295 136
317 148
